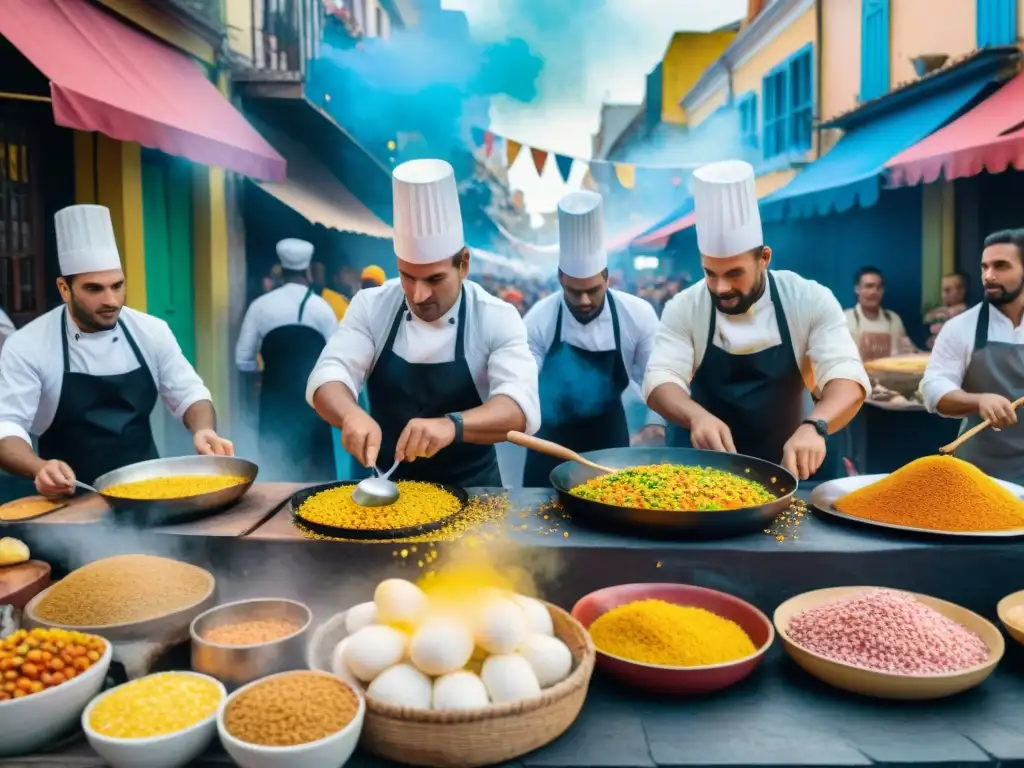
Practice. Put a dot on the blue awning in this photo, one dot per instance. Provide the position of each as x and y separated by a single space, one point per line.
679 219
853 172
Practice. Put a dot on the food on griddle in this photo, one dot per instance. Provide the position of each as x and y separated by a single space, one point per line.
175 487
673 487
418 504
156 705
31 661
939 493
123 589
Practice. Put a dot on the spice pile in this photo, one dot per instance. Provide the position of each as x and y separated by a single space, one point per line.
252 632
418 504
674 487
32 661
888 631
938 493
156 705
174 487
665 634
123 589
291 709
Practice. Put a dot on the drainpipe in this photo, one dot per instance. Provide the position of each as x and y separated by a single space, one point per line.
819 68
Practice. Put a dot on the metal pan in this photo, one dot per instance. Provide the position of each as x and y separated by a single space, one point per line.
164 511
825 495
683 524
300 497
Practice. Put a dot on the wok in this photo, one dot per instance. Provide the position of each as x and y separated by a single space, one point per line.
683 524
163 511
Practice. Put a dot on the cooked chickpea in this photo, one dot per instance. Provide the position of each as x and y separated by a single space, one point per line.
32 661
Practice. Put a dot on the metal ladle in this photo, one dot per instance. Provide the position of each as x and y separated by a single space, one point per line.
377 491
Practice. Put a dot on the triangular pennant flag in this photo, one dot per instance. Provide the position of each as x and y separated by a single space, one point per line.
478 135
539 158
511 151
626 174
564 166
601 172
488 144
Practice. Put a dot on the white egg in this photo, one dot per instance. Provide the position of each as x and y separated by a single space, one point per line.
373 649
509 677
502 627
549 657
403 686
399 602
537 616
340 667
460 690
441 646
359 616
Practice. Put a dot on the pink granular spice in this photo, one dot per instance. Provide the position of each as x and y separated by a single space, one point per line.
888 632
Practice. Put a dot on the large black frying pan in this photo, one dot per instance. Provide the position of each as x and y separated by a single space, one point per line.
682 524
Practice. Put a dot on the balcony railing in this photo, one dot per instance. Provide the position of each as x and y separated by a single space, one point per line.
286 33
210 12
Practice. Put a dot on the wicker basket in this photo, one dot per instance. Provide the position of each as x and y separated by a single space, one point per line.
496 734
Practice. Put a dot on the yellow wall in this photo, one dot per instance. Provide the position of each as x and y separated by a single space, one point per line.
156 23
840 57
915 30
239 17
747 78
688 56
705 110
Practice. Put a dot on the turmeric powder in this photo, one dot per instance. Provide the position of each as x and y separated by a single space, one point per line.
939 493
656 632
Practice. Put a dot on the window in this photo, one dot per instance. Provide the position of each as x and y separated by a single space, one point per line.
775 100
801 100
874 50
997 22
21 221
747 107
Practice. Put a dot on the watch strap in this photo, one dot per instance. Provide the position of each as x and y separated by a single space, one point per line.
456 419
820 426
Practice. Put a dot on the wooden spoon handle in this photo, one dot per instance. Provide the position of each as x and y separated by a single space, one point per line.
948 449
553 449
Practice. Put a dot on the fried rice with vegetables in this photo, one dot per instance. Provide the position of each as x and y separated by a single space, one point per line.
674 487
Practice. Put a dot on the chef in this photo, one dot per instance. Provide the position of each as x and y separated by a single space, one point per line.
289 328
446 365
84 377
977 366
734 352
589 342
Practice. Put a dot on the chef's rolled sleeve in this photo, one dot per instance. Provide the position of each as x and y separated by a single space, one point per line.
511 366
947 365
20 390
248 345
179 385
349 352
672 354
830 347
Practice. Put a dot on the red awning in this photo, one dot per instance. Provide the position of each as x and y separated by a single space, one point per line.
660 236
989 137
109 77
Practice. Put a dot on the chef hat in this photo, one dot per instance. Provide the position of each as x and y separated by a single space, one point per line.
582 251
725 205
427 219
85 240
294 254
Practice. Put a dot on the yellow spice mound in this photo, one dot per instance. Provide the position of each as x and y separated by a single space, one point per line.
939 493
656 632
174 487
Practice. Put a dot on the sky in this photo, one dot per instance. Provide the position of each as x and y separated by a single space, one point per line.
595 51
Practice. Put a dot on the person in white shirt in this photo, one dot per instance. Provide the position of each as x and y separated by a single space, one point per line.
878 332
84 377
289 328
447 366
977 365
589 343
736 351
6 327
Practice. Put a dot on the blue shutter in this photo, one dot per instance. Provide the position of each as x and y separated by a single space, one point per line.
997 22
801 100
874 50
746 106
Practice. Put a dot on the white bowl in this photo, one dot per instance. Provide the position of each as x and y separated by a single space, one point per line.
329 752
172 750
28 723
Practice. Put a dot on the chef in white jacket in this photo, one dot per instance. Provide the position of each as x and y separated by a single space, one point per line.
589 342
84 377
736 351
446 366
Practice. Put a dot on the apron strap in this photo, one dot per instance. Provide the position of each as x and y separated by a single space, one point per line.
302 306
556 340
981 328
127 337
780 314
64 340
390 342
460 328
615 324
135 347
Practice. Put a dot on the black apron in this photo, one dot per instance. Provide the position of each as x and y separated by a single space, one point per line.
400 391
294 442
996 367
102 422
580 400
759 396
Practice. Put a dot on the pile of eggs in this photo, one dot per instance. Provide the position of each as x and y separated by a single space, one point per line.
410 652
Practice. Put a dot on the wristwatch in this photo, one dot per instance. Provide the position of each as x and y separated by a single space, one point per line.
820 426
457 421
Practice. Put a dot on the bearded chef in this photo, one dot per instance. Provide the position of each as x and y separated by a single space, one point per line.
289 328
85 376
446 365
735 352
589 342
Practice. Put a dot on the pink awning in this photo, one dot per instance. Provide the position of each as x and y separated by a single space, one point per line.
109 77
664 233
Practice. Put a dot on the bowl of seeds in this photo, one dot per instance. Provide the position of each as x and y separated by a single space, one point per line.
303 719
243 641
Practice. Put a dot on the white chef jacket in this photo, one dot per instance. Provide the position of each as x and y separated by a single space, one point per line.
822 343
32 367
497 351
6 327
277 308
953 348
638 324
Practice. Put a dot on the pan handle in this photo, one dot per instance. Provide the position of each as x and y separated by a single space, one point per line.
553 449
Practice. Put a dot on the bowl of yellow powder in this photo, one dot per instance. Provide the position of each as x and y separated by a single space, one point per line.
674 638
164 720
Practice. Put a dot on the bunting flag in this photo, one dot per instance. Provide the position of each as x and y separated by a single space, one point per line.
478 135
564 166
626 174
488 144
539 158
511 151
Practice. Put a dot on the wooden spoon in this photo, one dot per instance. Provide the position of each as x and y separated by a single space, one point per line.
555 450
946 450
